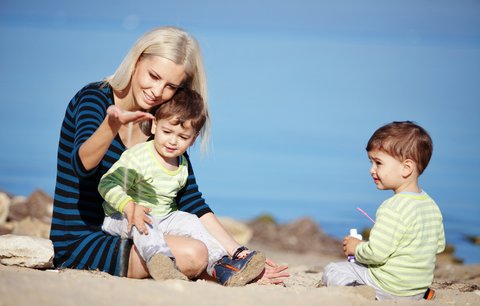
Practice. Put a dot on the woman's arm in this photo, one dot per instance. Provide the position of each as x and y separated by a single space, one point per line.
216 229
94 148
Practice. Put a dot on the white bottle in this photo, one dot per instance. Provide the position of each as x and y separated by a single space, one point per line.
355 234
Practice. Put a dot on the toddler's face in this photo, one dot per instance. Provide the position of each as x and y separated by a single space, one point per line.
386 171
172 139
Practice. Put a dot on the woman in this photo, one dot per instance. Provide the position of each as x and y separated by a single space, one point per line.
101 121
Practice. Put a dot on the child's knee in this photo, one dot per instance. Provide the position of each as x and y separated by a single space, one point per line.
328 272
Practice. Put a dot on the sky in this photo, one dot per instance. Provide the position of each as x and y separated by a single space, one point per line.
296 88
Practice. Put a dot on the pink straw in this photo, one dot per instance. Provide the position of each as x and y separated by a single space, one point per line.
366 215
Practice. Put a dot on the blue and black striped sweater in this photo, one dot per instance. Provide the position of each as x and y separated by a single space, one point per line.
78 215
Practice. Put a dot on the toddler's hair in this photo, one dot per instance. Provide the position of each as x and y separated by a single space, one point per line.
403 140
185 105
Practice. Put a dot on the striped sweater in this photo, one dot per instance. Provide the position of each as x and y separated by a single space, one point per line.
77 214
407 235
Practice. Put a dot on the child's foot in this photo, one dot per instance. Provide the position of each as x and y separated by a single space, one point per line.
162 267
239 271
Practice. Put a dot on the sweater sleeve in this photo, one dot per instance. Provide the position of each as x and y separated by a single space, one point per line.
441 240
384 238
90 110
190 199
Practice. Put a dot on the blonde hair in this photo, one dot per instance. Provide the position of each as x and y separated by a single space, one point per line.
181 48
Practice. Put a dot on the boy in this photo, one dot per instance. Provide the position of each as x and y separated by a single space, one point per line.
140 190
399 258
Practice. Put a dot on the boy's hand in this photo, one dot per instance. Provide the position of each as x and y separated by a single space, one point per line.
137 216
350 245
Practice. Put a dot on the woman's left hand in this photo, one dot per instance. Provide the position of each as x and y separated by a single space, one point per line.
273 273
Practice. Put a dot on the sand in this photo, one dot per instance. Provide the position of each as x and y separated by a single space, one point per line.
454 284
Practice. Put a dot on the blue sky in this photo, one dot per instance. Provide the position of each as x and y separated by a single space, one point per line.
296 89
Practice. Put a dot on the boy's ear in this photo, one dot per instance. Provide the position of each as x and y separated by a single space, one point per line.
154 126
408 167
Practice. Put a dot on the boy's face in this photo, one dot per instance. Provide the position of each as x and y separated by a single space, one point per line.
386 171
172 140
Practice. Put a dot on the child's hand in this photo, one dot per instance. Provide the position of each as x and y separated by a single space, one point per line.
137 216
350 245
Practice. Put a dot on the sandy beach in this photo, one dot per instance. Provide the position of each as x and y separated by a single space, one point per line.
454 284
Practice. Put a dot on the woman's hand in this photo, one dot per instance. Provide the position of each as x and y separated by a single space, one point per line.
117 115
273 273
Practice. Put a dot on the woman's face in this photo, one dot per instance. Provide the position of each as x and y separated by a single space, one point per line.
155 81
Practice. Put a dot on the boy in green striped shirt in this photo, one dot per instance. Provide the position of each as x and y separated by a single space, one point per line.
399 258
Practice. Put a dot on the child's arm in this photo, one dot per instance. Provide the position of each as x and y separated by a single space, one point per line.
114 184
384 238
441 240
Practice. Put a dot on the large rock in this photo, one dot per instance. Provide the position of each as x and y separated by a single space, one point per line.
25 251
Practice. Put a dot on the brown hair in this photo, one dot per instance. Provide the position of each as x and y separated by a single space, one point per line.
403 140
185 105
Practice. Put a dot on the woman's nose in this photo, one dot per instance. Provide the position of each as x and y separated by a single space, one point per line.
157 90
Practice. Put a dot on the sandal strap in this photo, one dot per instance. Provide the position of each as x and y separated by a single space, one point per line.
238 251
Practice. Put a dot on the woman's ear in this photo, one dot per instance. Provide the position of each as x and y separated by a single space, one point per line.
409 167
194 139
154 126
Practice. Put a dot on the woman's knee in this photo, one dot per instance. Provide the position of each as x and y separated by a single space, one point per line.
137 268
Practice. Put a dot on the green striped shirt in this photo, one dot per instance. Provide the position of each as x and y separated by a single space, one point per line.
407 235
139 176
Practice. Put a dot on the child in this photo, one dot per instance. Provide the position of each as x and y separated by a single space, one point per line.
399 258
140 190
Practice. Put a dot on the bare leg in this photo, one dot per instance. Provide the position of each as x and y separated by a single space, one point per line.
191 257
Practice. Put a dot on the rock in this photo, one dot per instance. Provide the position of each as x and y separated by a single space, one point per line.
18 209
4 207
40 206
239 231
31 227
25 251
301 236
